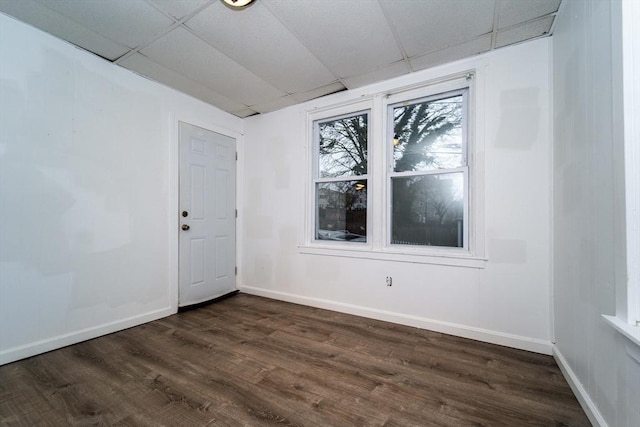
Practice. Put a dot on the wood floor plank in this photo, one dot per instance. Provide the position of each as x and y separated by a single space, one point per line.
251 361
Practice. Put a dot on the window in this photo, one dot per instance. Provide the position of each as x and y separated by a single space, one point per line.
392 176
627 317
341 178
428 171
631 104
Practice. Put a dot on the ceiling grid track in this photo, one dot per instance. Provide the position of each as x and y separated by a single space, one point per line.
277 53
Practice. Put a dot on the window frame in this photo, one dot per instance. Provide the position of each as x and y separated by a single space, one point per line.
323 117
406 100
631 109
627 317
377 246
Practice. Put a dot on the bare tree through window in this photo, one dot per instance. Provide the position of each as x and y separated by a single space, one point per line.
427 177
427 206
341 187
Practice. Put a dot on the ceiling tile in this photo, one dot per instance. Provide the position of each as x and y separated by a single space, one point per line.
394 70
276 104
245 113
47 20
453 53
429 25
180 8
146 67
129 22
349 37
517 11
260 46
318 92
278 52
524 32
192 57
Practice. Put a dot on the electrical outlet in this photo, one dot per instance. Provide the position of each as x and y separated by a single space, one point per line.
389 281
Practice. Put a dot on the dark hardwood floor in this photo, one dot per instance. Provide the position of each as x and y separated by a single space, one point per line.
250 361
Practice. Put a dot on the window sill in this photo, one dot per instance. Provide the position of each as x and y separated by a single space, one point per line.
363 252
631 332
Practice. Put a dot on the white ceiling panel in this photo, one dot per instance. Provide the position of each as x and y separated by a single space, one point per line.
262 44
516 11
394 70
429 25
52 22
275 104
192 57
274 53
180 8
349 37
321 91
524 32
129 22
146 67
453 53
245 113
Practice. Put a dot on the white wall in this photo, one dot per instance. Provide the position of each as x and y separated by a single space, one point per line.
507 302
588 215
88 196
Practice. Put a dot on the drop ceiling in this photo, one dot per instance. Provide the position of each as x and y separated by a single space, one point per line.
277 53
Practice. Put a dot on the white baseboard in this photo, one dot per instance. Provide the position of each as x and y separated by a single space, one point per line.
479 334
38 347
581 394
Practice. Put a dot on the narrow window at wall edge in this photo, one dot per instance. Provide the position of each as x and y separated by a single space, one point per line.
341 177
428 171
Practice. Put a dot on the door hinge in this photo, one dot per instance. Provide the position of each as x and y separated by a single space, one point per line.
236 155
236 271
236 213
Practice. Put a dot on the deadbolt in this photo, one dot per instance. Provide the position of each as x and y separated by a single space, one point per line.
185 214
185 227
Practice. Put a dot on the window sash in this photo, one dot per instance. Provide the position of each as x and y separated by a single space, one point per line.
317 179
465 211
464 168
430 172
316 143
464 91
342 178
352 214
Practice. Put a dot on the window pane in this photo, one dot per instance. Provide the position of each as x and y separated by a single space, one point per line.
341 211
343 146
428 210
428 135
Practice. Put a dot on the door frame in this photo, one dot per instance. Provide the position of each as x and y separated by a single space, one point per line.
174 195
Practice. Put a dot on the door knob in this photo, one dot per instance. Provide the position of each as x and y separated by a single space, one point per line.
185 227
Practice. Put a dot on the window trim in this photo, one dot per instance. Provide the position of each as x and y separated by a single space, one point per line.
627 317
631 109
406 255
376 248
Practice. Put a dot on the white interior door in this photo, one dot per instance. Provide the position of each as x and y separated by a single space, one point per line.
207 215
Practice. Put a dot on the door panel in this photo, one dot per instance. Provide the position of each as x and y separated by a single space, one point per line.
197 261
207 234
222 194
198 191
222 262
